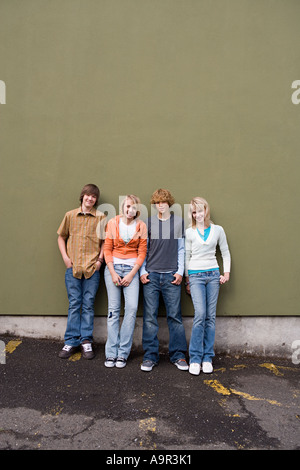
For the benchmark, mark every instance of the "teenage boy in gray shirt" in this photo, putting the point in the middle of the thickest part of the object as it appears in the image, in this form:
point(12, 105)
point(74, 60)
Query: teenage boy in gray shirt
point(162, 272)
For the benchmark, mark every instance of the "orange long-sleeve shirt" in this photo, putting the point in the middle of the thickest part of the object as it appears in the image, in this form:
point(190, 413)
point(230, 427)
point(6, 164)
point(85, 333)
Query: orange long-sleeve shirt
point(114, 245)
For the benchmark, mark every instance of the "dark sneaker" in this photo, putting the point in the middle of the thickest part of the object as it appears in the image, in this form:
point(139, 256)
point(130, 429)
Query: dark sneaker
point(181, 364)
point(121, 362)
point(148, 365)
point(67, 351)
point(87, 350)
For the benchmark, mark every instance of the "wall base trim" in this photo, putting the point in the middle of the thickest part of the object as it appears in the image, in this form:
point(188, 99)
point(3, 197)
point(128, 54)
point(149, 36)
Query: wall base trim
point(264, 336)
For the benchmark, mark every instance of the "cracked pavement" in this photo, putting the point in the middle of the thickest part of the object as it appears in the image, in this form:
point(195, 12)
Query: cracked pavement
point(249, 403)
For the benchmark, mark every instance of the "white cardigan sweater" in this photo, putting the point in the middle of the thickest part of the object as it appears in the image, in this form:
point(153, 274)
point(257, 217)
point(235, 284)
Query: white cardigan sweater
point(200, 254)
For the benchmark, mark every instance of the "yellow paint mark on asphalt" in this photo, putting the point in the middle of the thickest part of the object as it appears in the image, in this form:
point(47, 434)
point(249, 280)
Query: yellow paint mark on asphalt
point(287, 368)
point(12, 345)
point(221, 369)
point(251, 398)
point(271, 367)
point(148, 395)
point(56, 410)
point(239, 446)
point(245, 395)
point(219, 388)
point(75, 357)
point(148, 426)
point(238, 366)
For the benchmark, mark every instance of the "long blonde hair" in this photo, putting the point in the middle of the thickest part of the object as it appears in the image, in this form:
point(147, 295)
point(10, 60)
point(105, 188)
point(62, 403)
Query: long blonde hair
point(136, 201)
point(199, 203)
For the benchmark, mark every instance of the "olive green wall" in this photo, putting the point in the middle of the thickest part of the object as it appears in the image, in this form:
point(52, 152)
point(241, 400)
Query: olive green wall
point(132, 95)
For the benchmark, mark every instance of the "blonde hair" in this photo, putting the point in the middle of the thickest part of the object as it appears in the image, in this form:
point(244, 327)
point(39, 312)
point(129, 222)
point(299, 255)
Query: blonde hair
point(135, 201)
point(199, 203)
point(162, 195)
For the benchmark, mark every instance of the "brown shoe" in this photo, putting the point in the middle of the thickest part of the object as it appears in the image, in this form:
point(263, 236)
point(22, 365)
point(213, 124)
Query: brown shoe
point(67, 351)
point(87, 350)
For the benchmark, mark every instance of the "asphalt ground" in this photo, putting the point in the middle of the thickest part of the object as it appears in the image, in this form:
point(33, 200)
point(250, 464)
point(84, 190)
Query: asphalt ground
point(48, 403)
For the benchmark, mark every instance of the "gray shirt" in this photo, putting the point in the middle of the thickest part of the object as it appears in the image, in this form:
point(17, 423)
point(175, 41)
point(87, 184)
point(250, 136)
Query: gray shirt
point(165, 242)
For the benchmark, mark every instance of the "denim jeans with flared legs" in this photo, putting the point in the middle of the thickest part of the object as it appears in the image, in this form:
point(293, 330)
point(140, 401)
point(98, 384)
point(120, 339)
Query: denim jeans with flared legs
point(204, 292)
point(119, 340)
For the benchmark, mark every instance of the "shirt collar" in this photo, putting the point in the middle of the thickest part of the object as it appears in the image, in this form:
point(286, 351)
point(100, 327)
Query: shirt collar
point(92, 212)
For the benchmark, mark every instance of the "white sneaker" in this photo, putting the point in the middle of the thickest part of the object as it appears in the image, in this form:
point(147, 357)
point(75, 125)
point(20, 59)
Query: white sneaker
point(207, 367)
point(121, 362)
point(110, 362)
point(194, 368)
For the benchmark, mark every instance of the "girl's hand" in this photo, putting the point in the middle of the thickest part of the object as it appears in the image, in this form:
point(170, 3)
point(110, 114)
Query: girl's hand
point(116, 278)
point(126, 280)
point(224, 278)
point(177, 280)
point(144, 278)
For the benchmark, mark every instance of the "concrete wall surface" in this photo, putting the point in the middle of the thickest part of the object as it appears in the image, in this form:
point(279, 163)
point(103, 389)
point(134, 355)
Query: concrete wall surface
point(264, 336)
point(199, 97)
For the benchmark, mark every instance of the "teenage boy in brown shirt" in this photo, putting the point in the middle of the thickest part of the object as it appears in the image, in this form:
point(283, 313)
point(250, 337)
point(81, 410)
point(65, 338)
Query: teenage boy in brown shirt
point(82, 252)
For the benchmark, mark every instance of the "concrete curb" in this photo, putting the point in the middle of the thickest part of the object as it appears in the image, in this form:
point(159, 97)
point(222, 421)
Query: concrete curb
point(264, 336)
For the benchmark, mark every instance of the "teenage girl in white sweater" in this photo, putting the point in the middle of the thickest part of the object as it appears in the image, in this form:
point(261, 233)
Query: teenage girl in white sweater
point(203, 281)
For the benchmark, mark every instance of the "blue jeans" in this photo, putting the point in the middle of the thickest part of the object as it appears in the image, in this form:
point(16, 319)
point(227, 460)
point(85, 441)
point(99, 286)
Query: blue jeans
point(204, 292)
point(81, 295)
point(161, 283)
point(119, 340)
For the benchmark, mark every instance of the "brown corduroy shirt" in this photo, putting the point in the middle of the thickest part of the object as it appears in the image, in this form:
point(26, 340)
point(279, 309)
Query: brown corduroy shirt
point(82, 232)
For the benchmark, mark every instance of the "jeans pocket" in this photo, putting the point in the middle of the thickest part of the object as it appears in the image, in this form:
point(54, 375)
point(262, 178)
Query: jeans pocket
point(216, 273)
point(195, 276)
point(96, 273)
